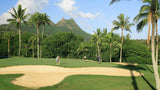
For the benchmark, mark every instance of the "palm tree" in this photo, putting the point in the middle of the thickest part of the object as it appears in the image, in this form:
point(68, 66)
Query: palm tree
point(145, 15)
point(82, 48)
point(37, 17)
point(18, 17)
point(157, 12)
point(32, 39)
point(26, 48)
point(97, 37)
point(122, 23)
point(155, 68)
point(44, 20)
point(7, 35)
point(109, 36)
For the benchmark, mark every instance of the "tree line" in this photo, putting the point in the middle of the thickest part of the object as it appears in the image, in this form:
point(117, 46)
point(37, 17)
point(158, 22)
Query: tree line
point(69, 45)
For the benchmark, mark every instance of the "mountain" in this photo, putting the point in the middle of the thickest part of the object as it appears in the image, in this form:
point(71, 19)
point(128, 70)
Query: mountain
point(63, 25)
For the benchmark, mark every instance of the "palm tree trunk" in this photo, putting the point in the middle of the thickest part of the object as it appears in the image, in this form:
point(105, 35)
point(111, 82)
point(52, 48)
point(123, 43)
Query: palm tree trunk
point(8, 48)
point(33, 49)
point(153, 52)
point(156, 45)
point(121, 47)
point(41, 42)
point(26, 50)
point(19, 54)
point(149, 29)
point(98, 52)
point(110, 53)
point(37, 40)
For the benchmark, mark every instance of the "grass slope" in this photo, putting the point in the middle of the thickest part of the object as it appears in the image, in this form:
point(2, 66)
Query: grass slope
point(83, 82)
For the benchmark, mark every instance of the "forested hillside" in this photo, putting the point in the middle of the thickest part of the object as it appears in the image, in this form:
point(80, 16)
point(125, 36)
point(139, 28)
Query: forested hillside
point(62, 26)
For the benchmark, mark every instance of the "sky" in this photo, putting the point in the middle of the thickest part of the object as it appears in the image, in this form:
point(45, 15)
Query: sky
point(88, 14)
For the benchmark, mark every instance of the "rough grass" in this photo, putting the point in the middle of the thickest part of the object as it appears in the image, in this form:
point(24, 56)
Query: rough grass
point(83, 82)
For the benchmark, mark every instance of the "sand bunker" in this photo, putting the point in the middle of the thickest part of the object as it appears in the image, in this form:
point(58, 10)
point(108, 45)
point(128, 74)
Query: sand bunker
point(36, 76)
point(127, 64)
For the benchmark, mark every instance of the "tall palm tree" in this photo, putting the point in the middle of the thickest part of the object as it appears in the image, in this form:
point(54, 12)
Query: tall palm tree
point(45, 20)
point(37, 17)
point(97, 37)
point(7, 35)
point(144, 18)
point(155, 68)
point(157, 12)
point(123, 23)
point(18, 17)
point(109, 36)
point(32, 39)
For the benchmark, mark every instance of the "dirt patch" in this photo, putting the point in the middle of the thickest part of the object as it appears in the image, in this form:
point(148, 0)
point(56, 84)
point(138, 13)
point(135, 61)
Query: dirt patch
point(36, 76)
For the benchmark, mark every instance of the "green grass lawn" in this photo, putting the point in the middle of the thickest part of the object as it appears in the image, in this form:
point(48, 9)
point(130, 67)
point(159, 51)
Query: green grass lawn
point(83, 82)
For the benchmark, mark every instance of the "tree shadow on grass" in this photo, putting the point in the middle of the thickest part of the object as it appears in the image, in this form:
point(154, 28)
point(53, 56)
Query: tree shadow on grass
point(137, 68)
point(134, 83)
point(149, 69)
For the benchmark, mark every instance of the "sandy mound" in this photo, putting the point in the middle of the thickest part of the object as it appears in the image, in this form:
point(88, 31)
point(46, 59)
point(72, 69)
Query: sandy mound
point(36, 76)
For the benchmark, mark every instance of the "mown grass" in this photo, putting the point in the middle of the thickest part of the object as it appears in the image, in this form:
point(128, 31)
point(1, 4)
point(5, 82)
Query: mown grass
point(52, 62)
point(83, 82)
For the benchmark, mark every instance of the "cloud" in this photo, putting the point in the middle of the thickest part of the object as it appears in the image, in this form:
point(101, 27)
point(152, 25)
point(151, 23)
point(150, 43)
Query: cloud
point(87, 15)
point(31, 5)
point(68, 6)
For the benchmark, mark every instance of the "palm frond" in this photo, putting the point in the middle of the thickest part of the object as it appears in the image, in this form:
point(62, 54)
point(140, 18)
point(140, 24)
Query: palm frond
point(15, 12)
point(140, 17)
point(147, 1)
point(116, 23)
point(113, 1)
point(105, 31)
point(127, 28)
point(158, 14)
point(25, 17)
point(11, 20)
point(22, 13)
point(98, 31)
point(115, 28)
point(141, 24)
point(145, 8)
point(136, 18)
point(125, 21)
point(19, 10)
point(14, 16)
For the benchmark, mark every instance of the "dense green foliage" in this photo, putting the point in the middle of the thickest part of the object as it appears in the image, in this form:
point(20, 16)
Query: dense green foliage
point(69, 45)
point(83, 82)
point(62, 44)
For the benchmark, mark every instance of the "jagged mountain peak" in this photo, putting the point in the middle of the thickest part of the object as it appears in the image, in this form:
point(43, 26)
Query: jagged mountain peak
point(64, 25)
point(52, 23)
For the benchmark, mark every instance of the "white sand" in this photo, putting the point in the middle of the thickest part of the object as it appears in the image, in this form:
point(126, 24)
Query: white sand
point(36, 76)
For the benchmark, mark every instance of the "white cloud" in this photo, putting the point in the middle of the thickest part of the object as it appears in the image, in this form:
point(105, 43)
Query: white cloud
point(31, 5)
point(68, 6)
point(87, 15)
